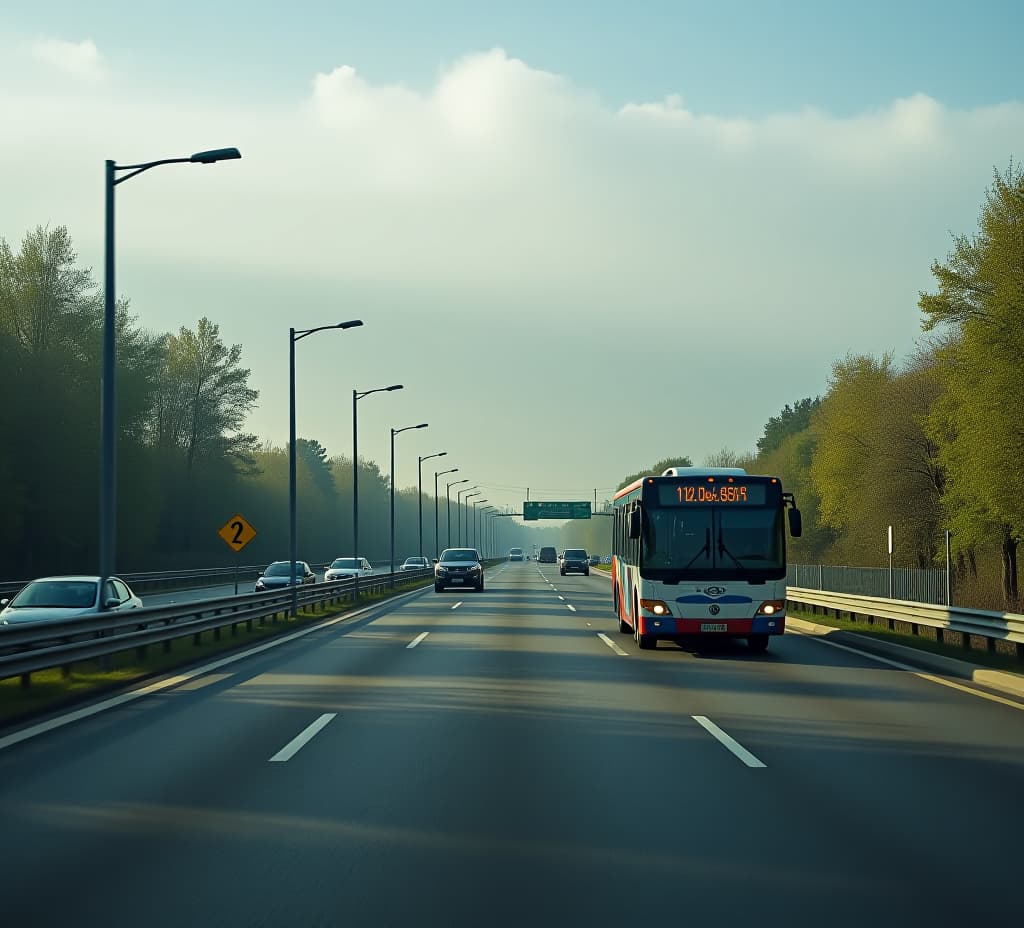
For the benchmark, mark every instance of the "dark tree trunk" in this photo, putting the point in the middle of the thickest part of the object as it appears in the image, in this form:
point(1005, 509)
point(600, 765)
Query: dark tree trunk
point(1009, 558)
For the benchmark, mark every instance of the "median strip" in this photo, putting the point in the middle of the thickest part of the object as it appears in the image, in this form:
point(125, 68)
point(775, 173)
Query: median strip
point(300, 740)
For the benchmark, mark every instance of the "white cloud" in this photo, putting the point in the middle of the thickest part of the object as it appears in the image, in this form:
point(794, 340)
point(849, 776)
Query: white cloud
point(80, 60)
point(723, 259)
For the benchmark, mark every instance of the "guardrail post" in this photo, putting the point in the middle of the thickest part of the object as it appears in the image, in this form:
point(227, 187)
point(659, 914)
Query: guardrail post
point(26, 679)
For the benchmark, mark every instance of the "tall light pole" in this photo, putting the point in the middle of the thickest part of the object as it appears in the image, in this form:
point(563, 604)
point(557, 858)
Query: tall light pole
point(468, 495)
point(448, 496)
point(395, 432)
point(439, 473)
point(458, 507)
point(295, 335)
point(485, 531)
point(108, 408)
point(356, 397)
point(476, 502)
point(419, 498)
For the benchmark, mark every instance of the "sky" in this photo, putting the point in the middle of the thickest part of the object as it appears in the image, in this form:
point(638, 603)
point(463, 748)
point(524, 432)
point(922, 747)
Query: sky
point(584, 237)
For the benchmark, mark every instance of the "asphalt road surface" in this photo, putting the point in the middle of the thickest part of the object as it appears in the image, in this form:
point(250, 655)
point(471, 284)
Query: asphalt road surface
point(488, 759)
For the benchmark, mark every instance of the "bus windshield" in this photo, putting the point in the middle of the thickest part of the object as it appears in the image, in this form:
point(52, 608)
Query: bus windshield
point(712, 543)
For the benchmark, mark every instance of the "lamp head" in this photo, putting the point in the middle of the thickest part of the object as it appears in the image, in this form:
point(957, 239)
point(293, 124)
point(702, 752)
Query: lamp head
point(215, 154)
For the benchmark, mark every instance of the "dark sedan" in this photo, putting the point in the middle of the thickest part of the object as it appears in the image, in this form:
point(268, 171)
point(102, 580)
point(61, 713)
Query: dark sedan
point(278, 576)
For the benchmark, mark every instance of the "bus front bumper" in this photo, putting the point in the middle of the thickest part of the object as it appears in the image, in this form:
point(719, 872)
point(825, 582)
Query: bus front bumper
point(759, 625)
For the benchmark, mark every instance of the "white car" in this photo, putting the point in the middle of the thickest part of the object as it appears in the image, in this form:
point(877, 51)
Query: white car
point(50, 599)
point(344, 568)
point(415, 563)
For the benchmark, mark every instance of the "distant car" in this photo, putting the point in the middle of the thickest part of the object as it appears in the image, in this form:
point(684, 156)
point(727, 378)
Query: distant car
point(595, 559)
point(516, 554)
point(575, 559)
point(459, 567)
point(53, 598)
point(547, 556)
point(607, 559)
point(415, 563)
point(344, 568)
point(278, 576)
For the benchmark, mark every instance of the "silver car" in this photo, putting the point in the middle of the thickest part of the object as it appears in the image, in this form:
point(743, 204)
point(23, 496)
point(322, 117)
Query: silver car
point(344, 568)
point(50, 599)
point(459, 567)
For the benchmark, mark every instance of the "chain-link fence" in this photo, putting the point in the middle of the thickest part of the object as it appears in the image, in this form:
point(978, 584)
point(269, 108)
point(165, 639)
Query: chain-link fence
point(911, 584)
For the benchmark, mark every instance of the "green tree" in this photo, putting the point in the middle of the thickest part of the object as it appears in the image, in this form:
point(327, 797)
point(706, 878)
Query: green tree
point(979, 303)
point(658, 468)
point(791, 421)
point(874, 462)
point(204, 398)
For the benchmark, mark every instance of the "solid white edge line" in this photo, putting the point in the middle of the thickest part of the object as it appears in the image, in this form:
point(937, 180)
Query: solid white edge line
point(731, 743)
point(909, 669)
point(611, 644)
point(304, 737)
point(41, 728)
point(416, 640)
point(456, 606)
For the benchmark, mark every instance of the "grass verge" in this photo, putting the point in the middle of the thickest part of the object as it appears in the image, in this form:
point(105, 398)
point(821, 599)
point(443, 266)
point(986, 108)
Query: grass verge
point(1003, 657)
point(50, 689)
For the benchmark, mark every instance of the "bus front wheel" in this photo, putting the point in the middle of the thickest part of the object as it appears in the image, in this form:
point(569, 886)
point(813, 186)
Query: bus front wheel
point(757, 643)
point(646, 642)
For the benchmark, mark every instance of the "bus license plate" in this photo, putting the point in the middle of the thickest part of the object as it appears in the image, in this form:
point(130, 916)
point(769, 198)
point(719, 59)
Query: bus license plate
point(714, 627)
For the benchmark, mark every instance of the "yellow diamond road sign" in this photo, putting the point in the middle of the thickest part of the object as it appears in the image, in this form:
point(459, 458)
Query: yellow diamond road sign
point(237, 533)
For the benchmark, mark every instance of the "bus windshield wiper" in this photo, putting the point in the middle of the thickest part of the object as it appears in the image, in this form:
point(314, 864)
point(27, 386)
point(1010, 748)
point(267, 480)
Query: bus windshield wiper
point(722, 549)
point(706, 550)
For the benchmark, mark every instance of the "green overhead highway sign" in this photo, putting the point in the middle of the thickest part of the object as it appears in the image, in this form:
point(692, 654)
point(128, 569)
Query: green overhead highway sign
point(550, 510)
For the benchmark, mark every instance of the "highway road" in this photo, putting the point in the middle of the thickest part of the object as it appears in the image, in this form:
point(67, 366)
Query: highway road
point(489, 759)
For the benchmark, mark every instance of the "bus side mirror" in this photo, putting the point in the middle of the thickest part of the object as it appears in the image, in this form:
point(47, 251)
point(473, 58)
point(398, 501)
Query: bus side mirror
point(634, 524)
point(796, 525)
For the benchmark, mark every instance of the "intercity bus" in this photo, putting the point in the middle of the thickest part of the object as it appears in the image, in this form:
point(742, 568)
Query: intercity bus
point(702, 552)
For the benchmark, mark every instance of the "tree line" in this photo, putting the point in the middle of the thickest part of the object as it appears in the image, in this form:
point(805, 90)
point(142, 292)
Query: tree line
point(934, 443)
point(185, 464)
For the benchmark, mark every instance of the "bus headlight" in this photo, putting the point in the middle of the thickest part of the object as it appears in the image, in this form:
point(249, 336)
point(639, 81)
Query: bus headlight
point(772, 607)
point(654, 605)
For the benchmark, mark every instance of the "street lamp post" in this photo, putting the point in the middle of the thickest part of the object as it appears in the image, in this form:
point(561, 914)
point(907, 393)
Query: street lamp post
point(108, 408)
point(448, 495)
point(356, 397)
point(395, 432)
point(439, 473)
point(419, 498)
point(295, 335)
point(485, 528)
point(468, 495)
point(476, 502)
point(458, 508)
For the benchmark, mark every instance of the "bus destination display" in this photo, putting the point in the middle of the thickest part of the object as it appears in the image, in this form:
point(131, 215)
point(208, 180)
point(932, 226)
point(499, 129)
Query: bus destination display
point(711, 494)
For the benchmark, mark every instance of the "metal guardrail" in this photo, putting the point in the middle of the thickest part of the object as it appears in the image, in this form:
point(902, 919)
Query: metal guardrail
point(34, 646)
point(900, 614)
point(919, 585)
point(144, 581)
